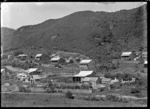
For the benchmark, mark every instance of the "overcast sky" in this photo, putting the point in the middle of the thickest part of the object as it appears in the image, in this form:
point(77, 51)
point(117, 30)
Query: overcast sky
point(15, 15)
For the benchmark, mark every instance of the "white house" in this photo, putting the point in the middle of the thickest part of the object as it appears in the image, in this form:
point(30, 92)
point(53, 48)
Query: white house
point(105, 80)
point(114, 81)
point(93, 80)
point(85, 64)
point(55, 59)
point(82, 74)
point(3, 70)
point(22, 76)
point(145, 63)
point(126, 56)
point(32, 70)
point(38, 56)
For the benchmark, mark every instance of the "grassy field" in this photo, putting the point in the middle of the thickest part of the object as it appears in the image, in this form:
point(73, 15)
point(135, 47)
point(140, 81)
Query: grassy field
point(51, 100)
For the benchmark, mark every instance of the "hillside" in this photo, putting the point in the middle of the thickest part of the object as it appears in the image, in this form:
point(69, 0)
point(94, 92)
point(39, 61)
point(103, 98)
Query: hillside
point(99, 35)
point(6, 36)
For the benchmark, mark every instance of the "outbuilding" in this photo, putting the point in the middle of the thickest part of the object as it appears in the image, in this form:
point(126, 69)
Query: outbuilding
point(145, 63)
point(127, 56)
point(85, 64)
point(82, 74)
point(38, 56)
point(33, 71)
point(91, 80)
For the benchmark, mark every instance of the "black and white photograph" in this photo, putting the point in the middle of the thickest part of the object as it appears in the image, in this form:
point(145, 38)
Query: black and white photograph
point(74, 54)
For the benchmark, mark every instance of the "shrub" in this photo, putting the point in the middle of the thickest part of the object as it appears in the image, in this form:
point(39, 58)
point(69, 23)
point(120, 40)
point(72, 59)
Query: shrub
point(16, 53)
point(85, 86)
point(23, 89)
point(134, 90)
point(69, 95)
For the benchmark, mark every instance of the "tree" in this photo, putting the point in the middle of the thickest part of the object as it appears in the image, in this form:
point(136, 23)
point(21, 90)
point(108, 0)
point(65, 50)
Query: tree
point(69, 95)
point(16, 53)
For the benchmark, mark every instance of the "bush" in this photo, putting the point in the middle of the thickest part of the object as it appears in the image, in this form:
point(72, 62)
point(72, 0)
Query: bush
point(69, 95)
point(134, 90)
point(23, 89)
point(16, 53)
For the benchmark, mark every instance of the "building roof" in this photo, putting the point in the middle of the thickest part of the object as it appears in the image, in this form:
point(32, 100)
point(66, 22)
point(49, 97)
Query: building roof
point(145, 62)
point(92, 79)
point(31, 70)
point(21, 74)
point(114, 80)
point(2, 70)
point(20, 55)
point(106, 79)
point(86, 61)
point(83, 73)
point(55, 58)
point(36, 77)
point(126, 53)
point(144, 53)
point(38, 55)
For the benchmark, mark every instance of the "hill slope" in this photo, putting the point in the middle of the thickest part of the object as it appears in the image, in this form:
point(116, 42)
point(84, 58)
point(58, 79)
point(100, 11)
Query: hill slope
point(99, 35)
point(6, 36)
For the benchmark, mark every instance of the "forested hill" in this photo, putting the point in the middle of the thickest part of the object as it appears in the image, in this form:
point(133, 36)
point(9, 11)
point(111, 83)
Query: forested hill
point(6, 36)
point(99, 35)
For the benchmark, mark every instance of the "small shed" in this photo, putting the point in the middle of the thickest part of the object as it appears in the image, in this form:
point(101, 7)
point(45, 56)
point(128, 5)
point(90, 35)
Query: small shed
point(33, 71)
point(82, 74)
point(145, 63)
point(3, 70)
point(114, 81)
point(85, 64)
point(55, 59)
point(93, 80)
point(38, 56)
point(105, 80)
point(127, 56)
point(36, 77)
point(144, 55)
point(21, 56)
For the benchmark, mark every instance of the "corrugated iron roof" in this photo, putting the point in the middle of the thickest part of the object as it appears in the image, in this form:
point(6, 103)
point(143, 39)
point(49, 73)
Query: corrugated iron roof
point(22, 55)
point(38, 55)
point(31, 70)
point(2, 70)
point(36, 77)
point(83, 73)
point(145, 62)
point(106, 79)
point(126, 54)
point(85, 61)
point(55, 58)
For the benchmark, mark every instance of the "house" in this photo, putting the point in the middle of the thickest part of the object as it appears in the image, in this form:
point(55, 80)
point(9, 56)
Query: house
point(114, 81)
point(53, 55)
point(82, 74)
point(21, 76)
point(85, 64)
point(36, 77)
point(93, 80)
point(127, 56)
point(55, 59)
point(38, 56)
point(21, 56)
point(144, 55)
point(3, 70)
point(105, 80)
point(33, 71)
point(145, 63)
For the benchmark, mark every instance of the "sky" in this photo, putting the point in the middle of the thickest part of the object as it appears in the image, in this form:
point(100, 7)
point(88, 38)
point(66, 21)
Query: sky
point(15, 15)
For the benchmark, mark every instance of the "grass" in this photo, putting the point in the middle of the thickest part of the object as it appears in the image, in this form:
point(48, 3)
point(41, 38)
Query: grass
point(32, 100)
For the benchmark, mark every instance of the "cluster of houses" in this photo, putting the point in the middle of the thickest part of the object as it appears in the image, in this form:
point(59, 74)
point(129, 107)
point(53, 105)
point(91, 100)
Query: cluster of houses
point(135, 56)
point(86, 75)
